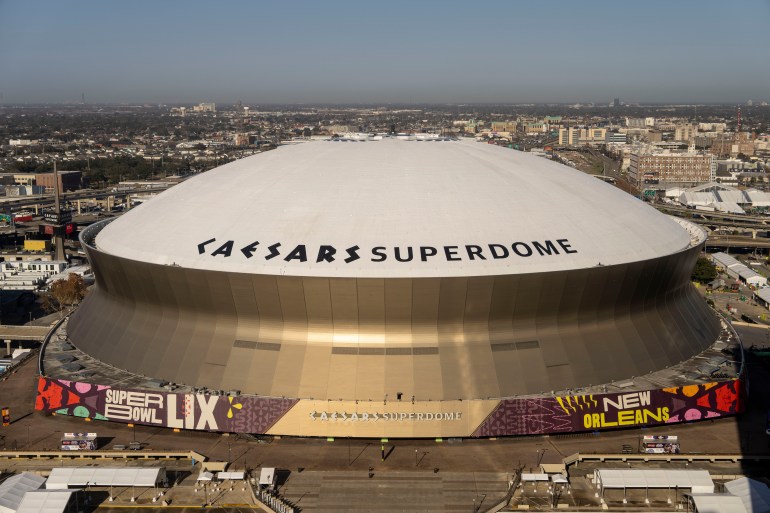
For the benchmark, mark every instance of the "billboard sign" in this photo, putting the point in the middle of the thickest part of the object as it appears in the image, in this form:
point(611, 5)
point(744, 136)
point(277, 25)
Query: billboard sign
point(53, 217)
point(660, 444)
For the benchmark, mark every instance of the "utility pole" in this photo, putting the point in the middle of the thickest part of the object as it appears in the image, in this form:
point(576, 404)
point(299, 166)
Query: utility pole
point(58, 226)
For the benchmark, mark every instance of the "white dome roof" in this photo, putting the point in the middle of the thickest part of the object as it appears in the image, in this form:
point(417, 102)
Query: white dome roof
point(464, 209)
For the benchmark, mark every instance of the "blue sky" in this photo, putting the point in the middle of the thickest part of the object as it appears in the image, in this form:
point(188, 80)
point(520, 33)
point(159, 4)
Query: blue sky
point(384, 51)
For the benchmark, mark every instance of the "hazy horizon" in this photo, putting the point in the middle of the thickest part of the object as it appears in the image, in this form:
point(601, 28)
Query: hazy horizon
point(402, 53)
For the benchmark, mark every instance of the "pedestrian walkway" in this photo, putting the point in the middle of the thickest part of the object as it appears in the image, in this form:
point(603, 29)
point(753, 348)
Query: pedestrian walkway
point(327, 492)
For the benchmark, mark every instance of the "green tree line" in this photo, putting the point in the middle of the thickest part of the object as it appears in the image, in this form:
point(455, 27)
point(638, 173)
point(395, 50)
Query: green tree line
point(104, 172)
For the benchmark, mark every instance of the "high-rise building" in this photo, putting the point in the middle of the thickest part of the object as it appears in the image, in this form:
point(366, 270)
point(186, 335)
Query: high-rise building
point(582, 136)
point(686, 132)
point(205, 107)
point(671, 168)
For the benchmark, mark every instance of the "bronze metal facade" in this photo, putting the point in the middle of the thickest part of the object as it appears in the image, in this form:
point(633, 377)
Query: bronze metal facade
point(454, 338)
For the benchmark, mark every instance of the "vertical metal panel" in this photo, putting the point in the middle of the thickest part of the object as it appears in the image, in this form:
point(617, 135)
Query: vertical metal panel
point(344, 299)
point(371, 310)
point(343, 376)
point(320, 322)
point(314, 373)
point(398, 312)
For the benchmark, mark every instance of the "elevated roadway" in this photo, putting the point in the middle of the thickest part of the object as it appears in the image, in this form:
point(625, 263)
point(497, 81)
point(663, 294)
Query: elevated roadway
point(36, 333)
point(735, 241)
point(711, 217)
point(48, 200)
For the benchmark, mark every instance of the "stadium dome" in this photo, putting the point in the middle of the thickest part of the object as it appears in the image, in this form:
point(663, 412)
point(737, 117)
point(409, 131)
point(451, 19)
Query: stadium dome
point(357, 270)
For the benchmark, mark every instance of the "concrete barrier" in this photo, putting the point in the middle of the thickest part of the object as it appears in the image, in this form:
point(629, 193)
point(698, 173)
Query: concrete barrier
point(104, 455)
point(711, 458)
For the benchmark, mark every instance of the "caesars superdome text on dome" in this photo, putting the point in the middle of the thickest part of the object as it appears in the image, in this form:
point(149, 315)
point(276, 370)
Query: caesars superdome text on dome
point(330, 253)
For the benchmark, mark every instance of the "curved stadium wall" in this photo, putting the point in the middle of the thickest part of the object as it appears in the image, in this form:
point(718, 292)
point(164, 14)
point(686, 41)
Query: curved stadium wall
point(437, 339)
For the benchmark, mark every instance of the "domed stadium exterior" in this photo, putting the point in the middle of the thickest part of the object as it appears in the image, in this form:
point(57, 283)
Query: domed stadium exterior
point(392, 287)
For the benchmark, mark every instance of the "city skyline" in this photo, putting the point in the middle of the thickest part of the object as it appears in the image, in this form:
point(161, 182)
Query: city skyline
point(395, 52)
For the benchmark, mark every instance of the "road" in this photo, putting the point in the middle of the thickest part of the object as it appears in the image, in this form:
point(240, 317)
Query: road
point(47, 200)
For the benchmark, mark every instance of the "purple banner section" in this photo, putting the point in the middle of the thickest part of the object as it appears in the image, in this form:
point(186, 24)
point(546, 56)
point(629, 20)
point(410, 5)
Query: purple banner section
point(238, 414)
point(575, 413)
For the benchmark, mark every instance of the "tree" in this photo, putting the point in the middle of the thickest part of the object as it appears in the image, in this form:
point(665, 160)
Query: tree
point(704, 271)
point(65, 293)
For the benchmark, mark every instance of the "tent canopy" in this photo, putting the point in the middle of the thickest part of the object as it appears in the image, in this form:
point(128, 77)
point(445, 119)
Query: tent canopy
point(699, 481)
point(754, 494)
point(717, 503)
point(534, 477)
point(233, 476)
point(13, 489)
point(62, 478)
point(45, 501)
point(267, 476)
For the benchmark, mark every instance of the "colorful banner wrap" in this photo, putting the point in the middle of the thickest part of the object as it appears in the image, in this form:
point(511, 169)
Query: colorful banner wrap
point(565, 414)
point(517, 416)
point(239, 414)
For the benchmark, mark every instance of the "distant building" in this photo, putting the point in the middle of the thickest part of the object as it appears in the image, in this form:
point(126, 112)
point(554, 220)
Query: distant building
point(685, 132)
point(205, 107)
point(712, 127)
point(339, 129)
point(671, 168)
point(503, 126)
point(24, 179)
point(616, 137)
point(552, 120)
point(68, 181)
point(29, 274)
point(582, 136)
point(616, 102)
point(242, 139)
point(24, 190)
point(535, 128)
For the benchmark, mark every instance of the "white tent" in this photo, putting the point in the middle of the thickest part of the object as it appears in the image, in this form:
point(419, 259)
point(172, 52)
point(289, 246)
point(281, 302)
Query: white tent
point(735, 269)
point(697, 481)
point(232, 476)
point(267, 476)
point(525, 478)
point(62, 478)
point(12, 490)
point(559, 479)
point(45, 501)
point(205, 476)
point(754, 494)
point(717, 503)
